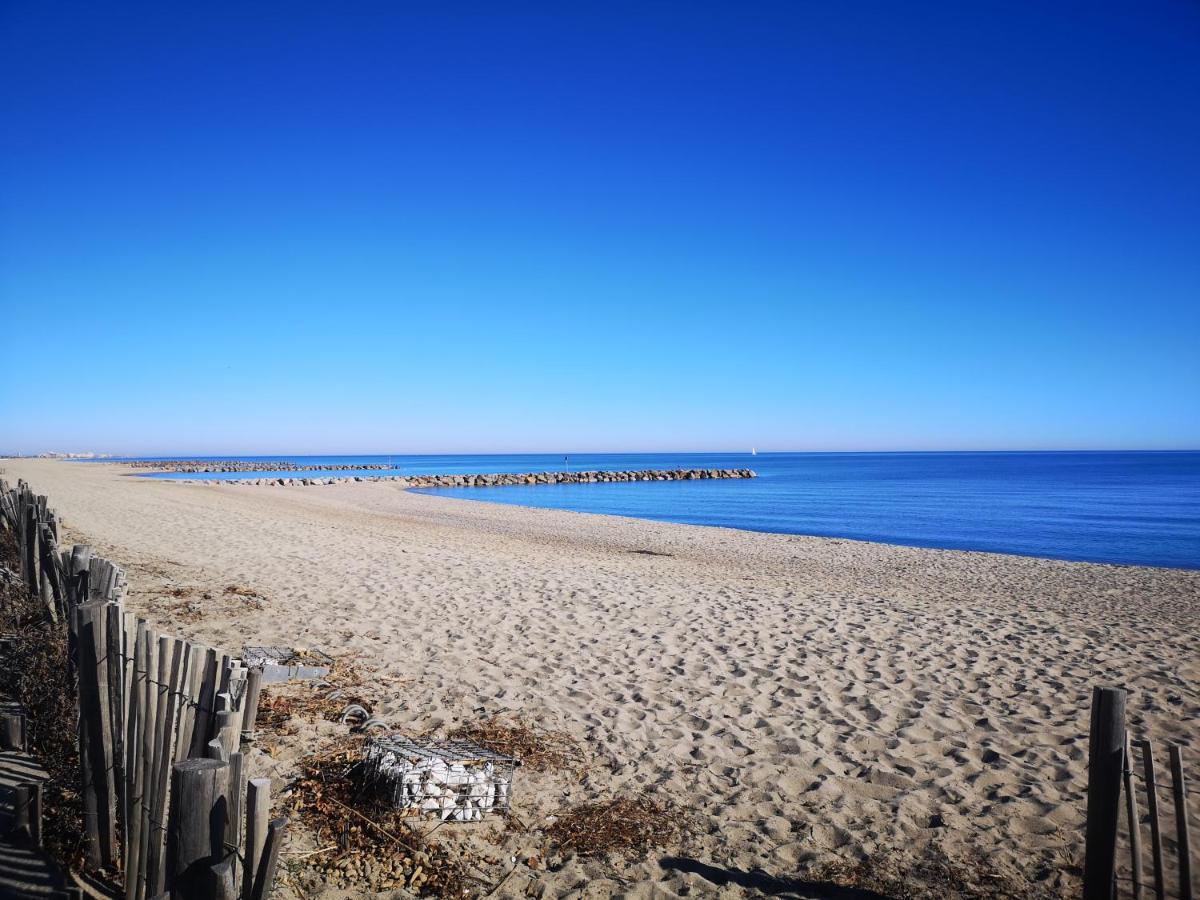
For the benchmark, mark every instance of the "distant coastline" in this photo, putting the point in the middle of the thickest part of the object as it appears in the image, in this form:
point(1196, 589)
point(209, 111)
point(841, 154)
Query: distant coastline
point(1117, 507)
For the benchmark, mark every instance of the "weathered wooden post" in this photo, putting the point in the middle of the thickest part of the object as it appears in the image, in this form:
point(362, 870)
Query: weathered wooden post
point(228, 731)
point(250, 705)
point(95, 738)
point(81, 561)
point(196, 829)
point(233, 826)
point(258, 811)
point(136, 775)
point(164, 753)
point(221, 880)
point(264, 878)
point(1179, 789)
point(1156, 852)
point(205, 704)
point(12, 731)
point(30, 555)
point(114, 656)
point(1106, 752)
point(27, 812)
point(1131, 815)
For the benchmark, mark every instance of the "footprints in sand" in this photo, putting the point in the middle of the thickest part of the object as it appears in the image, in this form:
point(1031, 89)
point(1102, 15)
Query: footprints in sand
point(808, 696)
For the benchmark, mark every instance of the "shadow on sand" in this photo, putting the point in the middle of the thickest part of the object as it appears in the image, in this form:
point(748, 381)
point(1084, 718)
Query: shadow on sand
point(770, 885)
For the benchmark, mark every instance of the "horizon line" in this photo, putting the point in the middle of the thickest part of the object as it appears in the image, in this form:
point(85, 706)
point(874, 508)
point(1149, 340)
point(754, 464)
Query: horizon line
point(56, 454)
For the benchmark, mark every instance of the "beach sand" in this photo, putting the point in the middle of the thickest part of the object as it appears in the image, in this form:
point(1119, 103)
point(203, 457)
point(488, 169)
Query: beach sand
point(808, 699)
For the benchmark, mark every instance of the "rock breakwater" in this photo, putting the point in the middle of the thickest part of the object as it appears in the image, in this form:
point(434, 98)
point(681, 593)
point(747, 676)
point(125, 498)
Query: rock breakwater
point(202, 466)
point(502, 479)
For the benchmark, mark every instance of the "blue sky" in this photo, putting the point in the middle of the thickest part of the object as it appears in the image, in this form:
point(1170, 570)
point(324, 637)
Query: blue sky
point(452, 227)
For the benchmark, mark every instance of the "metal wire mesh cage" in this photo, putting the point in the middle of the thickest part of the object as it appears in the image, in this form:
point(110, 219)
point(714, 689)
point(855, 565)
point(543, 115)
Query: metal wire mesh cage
point(456, 780)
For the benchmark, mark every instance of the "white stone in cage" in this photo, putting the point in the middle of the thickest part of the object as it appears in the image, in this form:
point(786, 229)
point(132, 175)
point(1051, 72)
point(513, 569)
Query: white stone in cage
point(455, 780)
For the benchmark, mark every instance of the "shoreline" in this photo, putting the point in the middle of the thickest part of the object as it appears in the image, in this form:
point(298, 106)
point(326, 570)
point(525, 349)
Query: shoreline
point(506, 479)
point(804, 697)
point(836, 538)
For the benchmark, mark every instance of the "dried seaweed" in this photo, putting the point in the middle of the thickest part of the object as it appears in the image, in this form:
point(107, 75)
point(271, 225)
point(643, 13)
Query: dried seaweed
point(307, 700)
point(535, 749)
point(627, 825)
point(361, 844)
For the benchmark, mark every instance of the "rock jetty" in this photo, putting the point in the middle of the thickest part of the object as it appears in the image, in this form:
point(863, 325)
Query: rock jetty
point(202, 466)
point(502, 479)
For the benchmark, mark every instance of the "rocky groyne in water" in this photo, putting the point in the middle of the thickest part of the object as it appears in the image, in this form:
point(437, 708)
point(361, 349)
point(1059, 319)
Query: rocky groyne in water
point(202, 466)
point(502, 479)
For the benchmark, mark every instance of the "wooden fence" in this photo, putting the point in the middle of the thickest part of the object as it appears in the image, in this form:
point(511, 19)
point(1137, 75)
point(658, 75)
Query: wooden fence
point(161, 721)
point(1113, 771)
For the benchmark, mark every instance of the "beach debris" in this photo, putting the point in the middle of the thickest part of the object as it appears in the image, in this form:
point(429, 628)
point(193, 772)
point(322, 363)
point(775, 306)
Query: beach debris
point(535, 749)
point(286, 663)
point(362, 845)
point(455, 780)
point(355, 711)
point(324, 699)
point(622, 825)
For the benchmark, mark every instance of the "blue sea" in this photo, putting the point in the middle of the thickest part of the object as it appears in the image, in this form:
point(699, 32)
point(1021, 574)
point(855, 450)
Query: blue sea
point(1137, 508)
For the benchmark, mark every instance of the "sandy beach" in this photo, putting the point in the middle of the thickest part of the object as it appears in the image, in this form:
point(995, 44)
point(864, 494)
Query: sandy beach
point(807, 698)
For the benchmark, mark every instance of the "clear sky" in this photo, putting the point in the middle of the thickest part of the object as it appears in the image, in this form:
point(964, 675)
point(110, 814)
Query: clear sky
point(388, 227)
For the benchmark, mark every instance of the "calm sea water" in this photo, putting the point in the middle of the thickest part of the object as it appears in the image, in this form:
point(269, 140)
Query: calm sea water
point(1133, 508)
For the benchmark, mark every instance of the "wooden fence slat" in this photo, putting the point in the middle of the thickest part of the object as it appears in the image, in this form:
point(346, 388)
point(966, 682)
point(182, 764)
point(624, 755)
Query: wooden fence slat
point(1156, 852)
point(1131, 815)
point(136, 773)
point(164, 756)
point(150, 830)
point(30, 548)
point(182, 702)
point(1106, 751)
point(250, 705)
point(233, 827)
point(222, 878)
point(13, 735)
point(190, 713)
point(1179, 789)
point(128, 638)
point(27, 811)
point(114, 627)
point(258, 812)
point(264, 878)
point(95, 743)
point(81, 559)
point(204, 714)
point(229, 731)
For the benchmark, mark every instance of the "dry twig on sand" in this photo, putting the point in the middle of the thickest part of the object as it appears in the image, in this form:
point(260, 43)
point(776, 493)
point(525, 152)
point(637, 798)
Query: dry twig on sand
point(624, 825)
point(311, 700)
point(365, 845)
point(535, 749)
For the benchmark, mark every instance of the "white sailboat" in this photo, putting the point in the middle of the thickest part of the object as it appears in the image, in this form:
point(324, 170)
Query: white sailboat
point(754, 451)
